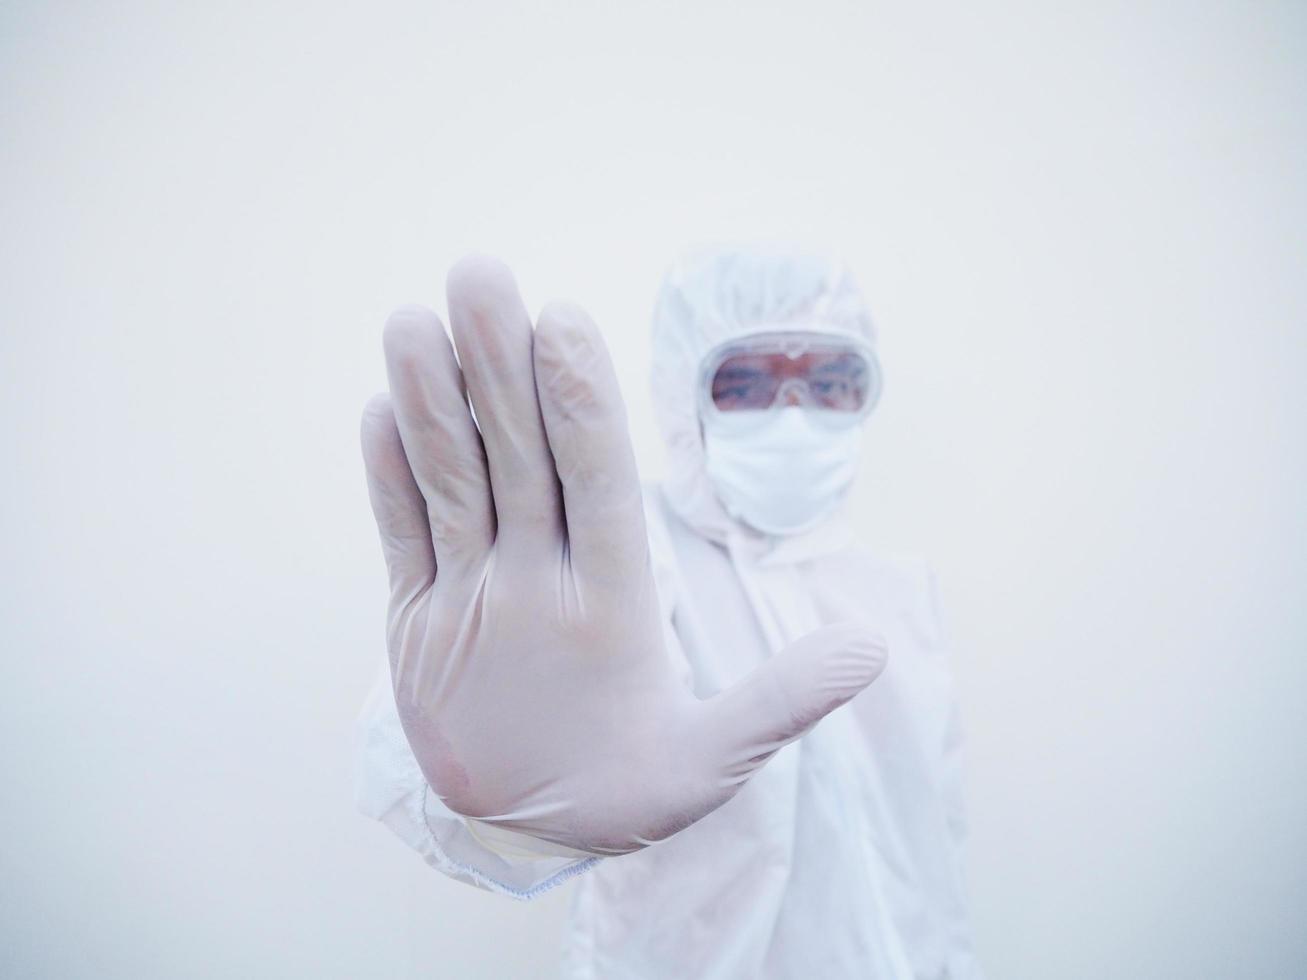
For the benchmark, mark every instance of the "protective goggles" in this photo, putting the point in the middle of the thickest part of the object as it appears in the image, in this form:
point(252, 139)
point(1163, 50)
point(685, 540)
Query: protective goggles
point(834, 372)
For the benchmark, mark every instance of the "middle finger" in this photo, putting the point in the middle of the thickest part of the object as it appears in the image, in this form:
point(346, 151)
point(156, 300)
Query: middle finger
point(493, 335)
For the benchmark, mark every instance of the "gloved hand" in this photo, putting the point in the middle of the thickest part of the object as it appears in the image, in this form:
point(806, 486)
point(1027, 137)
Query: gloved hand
point(524, 631)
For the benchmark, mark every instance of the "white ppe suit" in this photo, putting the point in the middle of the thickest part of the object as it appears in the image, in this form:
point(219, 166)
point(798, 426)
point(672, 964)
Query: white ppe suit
point(841, 857)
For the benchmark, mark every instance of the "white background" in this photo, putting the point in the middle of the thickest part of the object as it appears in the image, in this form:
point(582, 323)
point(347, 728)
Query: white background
point(1082, 228)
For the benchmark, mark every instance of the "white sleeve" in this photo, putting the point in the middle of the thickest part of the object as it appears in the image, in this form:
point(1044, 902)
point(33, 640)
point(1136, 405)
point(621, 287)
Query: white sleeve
point(962, 963)
point(390, 786)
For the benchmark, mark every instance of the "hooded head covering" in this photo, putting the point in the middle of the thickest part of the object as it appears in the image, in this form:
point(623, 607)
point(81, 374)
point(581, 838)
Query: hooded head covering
point(715, 295)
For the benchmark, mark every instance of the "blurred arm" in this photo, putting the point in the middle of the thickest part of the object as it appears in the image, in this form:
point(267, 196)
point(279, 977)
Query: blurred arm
point(962, 964)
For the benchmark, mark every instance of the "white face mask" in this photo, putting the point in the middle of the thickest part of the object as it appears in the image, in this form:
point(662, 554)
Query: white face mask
point(781, 471)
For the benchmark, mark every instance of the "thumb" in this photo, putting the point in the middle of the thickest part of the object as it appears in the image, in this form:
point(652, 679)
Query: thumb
point(787, 695)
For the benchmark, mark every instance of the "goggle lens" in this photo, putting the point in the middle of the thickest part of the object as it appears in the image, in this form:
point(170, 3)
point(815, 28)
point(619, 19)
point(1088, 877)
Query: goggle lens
point(835, 380)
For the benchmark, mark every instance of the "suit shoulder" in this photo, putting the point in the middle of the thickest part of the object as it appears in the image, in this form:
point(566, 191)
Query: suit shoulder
point(910, 574)
point(903, 584)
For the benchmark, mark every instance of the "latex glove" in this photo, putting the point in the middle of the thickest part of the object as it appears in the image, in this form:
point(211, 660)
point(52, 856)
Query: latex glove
point(525, 639)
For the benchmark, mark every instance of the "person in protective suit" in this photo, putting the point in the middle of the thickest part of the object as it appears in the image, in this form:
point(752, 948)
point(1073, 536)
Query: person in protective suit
point(594, 680)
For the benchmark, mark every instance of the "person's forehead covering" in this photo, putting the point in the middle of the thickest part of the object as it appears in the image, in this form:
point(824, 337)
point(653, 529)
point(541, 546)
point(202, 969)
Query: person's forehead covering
point(712, 295)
